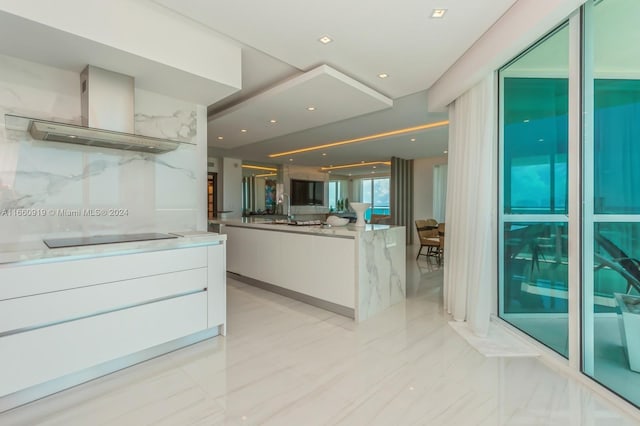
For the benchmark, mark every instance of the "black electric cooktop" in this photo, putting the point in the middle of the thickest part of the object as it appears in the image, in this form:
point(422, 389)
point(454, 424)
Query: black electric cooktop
point(104, 239)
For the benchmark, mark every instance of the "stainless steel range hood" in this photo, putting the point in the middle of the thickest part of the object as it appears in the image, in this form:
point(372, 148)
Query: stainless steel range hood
point(107, 117)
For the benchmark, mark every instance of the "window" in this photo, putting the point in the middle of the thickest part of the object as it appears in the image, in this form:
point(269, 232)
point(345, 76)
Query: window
point(376, 192)
point(611, 214)
point(534, 225)
point(334, 194)
point(556, 192)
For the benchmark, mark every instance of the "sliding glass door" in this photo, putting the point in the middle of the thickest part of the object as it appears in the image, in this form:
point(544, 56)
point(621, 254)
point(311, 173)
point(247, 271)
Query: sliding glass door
point(569, 233)
point(611, 179)
point(533, 219)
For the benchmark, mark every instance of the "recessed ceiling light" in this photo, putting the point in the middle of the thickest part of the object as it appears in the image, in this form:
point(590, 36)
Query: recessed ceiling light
point(383, 75)
point(329, 172)
point(412, 139)
point(362, 161)
point(374, 167)
point(525, 121)
point(540, 140)
point(325, 39)
point(290, 159)
point(438, 13)
point(372, 172)
point(349, 174)
point(243, 130)
point(220, 138)
point(324, 154)
point(445, 152)
point(273, 121)
point(311, 108)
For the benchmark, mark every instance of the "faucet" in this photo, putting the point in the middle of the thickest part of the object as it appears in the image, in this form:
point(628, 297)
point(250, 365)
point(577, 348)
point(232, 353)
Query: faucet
point(281, 200)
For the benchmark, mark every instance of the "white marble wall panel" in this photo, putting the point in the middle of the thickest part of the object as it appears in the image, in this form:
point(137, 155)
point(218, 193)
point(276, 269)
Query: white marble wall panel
point(57, 182)
point(382, 271)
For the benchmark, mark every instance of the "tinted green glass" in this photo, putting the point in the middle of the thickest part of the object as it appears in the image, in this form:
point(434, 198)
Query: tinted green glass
point(616, 328)
point(611, 305)
point(536, 281)
point(616, 144)
point(534, 146)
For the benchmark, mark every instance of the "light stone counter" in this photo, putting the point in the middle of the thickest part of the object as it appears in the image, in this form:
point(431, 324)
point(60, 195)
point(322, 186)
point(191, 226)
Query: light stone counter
point(26, 253)
point(354, 271)
point(348, 231)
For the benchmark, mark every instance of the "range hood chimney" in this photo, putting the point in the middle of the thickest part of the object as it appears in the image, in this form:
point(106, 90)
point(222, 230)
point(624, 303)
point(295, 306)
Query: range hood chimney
point(107, 100)
point(107, 104)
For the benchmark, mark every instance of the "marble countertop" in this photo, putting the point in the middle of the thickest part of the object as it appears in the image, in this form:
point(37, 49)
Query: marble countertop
point(347, 231)
point(25, 253)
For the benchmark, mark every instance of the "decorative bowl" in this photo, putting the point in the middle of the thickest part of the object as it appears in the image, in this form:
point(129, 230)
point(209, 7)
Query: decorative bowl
point(337, 221)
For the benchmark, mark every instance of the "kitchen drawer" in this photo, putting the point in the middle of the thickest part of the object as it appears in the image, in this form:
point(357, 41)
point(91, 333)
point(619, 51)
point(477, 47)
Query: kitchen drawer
point(19, 281)
point(43, 309)
point(37, 356)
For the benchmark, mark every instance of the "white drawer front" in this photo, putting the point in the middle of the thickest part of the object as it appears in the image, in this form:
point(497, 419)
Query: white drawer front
point(18, 281)
point(43, 309)
point(41, 355)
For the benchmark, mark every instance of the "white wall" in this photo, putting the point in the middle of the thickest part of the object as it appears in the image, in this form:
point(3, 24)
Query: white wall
point(155, 192)
point(423, 186)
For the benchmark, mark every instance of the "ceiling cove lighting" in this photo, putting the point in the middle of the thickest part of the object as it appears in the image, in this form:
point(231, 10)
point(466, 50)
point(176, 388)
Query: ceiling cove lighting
point(364, 138)
point(438, 13)
point(349, 166)
point(266, 175)
point(325, 39)
point(252, 167)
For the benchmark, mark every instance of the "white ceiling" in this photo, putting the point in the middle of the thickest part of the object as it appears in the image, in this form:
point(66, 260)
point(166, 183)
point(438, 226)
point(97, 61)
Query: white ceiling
point(280, 42)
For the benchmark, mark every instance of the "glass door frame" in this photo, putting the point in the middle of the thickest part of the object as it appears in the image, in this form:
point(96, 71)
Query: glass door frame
point(574, 194)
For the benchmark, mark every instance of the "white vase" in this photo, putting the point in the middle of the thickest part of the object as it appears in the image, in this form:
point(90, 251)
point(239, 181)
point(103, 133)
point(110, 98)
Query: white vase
point(360, 208)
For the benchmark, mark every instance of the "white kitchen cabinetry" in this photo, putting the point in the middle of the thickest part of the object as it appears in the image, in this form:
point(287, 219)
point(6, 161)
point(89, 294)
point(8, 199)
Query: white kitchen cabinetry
point(321, 267)
point(354, 271)
point(60, 319)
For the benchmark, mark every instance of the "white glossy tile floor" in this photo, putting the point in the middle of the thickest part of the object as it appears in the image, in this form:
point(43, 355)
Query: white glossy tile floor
point(287, 363)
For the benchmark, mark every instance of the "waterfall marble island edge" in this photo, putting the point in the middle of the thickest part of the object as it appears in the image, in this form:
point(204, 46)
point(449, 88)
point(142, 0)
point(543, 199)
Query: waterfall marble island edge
point(354, 271)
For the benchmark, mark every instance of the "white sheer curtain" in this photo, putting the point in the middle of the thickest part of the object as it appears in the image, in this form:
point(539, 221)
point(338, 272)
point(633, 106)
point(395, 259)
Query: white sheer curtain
point(439, 192)
point(470, 258)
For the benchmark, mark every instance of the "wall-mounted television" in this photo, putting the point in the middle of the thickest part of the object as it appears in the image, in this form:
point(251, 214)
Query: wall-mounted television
point(307, 192)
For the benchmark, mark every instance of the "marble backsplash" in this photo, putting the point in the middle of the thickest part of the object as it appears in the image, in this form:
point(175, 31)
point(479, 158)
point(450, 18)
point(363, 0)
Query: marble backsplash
point(56, 189)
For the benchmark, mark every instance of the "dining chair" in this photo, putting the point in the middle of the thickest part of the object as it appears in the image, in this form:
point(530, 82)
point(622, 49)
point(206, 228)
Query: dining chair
point(428, 236)
point(441, 228)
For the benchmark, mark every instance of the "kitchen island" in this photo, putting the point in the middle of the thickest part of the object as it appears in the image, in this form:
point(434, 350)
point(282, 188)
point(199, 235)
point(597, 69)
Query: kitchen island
point(353, 271)
point(71, 314)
